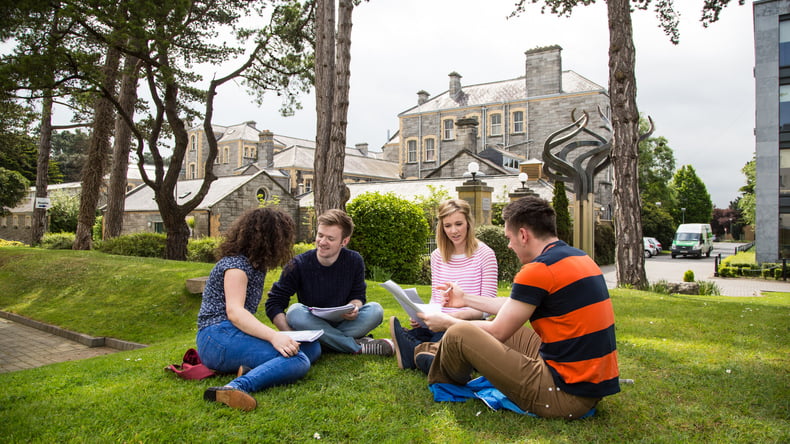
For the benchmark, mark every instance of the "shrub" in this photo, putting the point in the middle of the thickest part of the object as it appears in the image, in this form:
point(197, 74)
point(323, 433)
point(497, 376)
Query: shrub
point(58, 241)
point(506, 258)
point(203, 249)
point(96, 230)
point(496, 213)
point(688, 276)
point(137, 244)
point(661, 287)
point(302, 247)
point(10, 243)
point(389, 232)
point(425, 271)
point(64, 211)
point(707, 288)
point(604, 244)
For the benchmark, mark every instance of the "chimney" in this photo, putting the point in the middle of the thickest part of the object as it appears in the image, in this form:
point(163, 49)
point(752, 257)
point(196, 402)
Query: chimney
point(467, 132)
point(544, 71)
point(363, 148)
point(266, 145)
point(422, 97)
point(250, 123)
point(455, 84)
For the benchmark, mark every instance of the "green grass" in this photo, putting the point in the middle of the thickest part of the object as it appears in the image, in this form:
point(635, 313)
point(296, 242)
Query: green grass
point(706, 369)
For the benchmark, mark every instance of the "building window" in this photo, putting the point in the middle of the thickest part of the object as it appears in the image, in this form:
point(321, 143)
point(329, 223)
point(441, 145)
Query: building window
point(518, 121)
point(784, 43)
point(226, 155)
point(193, 146)
point(430, 150)
point(192, 171)
point(447, 129)
point(159, 227)
point(496, 124)
point(411, 151)
point(308, 185)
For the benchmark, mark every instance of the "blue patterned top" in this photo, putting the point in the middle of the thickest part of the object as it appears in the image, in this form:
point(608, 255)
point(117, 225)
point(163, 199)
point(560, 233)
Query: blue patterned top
point(212, 309)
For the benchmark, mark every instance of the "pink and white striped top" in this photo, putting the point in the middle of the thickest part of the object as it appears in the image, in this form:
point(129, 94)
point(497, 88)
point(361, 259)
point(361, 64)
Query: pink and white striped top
point(476, 275)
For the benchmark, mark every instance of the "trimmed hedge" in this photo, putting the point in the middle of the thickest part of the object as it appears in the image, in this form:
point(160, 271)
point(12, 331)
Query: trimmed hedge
point(137, 244)
point(389, 232)
point(508, 262)
point(58, 241)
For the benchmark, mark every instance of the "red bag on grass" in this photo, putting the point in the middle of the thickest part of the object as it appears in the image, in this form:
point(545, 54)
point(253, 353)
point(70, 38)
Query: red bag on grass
point(192, 367)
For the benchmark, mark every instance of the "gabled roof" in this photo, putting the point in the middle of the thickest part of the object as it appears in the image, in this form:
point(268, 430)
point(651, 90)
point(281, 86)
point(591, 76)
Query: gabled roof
point(498, 92)
point(409, 189)
point(302, 157)
point(466, 153)
point(142, 197)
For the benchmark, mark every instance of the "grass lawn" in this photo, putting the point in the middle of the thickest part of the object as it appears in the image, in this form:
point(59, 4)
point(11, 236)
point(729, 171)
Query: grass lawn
point(706, 369)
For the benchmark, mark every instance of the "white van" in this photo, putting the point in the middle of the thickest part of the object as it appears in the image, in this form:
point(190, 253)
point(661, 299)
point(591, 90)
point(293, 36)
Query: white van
point(692, 239)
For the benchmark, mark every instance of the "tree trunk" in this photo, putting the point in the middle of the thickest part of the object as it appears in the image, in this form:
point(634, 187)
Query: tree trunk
point(98, 152)
point(116, 194)
point(324, 99)
point(629, 258)
point(338, 193)
point(42, 168)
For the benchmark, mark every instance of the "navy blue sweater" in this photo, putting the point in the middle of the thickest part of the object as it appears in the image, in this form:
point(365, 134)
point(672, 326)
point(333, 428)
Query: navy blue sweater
point(316, 285)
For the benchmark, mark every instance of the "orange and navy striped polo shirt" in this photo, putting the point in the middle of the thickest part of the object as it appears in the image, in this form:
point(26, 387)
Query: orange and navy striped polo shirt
point(573, 317)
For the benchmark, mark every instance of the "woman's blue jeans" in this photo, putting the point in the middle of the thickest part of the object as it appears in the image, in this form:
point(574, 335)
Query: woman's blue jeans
point(224, 348)
point(338, 336)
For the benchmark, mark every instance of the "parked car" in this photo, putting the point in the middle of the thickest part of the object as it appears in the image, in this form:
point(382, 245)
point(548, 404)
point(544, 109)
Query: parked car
point(649, 248)
point(657, 244)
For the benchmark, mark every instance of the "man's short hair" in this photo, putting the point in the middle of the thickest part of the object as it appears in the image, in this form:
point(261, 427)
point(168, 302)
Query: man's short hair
point(533, 213)
point(339, 218)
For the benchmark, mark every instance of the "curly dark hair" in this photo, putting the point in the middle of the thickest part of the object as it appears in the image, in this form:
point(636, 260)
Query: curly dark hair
point(264, 235)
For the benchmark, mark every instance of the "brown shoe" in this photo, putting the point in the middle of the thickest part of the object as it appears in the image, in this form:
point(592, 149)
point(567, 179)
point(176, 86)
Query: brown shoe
point(238, 399)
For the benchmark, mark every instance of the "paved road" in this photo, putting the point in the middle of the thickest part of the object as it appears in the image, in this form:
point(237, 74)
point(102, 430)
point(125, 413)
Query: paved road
point(663, 267)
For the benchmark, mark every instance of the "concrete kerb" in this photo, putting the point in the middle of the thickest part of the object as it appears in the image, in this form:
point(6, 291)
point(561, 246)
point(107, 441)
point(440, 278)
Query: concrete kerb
point(87, 340)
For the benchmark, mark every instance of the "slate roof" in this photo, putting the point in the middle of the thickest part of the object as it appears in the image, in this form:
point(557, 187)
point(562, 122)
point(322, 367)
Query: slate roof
point(408, 189)
point(498, 92)
point(301, 157)
point(142, 197)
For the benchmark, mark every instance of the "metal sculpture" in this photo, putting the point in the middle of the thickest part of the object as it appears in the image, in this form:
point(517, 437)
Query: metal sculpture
point(578, 163)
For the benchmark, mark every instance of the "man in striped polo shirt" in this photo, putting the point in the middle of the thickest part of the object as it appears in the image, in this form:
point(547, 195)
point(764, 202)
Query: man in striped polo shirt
point(565, 361)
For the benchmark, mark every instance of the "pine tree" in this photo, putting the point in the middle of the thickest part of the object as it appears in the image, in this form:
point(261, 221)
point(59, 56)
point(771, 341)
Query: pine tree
point(560, 204)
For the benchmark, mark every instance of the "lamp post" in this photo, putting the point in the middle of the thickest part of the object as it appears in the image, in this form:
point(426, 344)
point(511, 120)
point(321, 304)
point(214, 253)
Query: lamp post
point(731, 233)
point(473, 169)
point(684, 215)
point(523, 177)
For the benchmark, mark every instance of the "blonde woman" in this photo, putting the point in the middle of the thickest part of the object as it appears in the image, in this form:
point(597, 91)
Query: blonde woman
point(459, 258)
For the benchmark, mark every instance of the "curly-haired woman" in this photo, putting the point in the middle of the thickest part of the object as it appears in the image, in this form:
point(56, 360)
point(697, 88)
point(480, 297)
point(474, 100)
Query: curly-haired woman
point(230, 338)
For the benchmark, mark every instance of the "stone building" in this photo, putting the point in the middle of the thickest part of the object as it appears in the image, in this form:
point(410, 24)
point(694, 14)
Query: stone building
point(504, 122)
point(243, 149)
point(227, 198)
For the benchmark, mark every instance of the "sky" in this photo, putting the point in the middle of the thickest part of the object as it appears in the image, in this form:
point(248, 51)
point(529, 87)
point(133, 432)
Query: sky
point(700, 93)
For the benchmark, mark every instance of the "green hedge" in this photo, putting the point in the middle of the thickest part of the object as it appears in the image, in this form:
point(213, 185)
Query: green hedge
point(390, 233)
point(137, 244)
point(58, 241)
point(604, 244)
point(508, 262)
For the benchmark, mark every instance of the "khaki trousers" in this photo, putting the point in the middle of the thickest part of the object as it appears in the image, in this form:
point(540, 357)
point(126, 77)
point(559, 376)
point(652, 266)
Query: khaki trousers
point(514, 367)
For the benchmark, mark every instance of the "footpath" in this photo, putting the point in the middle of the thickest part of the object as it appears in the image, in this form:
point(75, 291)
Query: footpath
point(25, 344)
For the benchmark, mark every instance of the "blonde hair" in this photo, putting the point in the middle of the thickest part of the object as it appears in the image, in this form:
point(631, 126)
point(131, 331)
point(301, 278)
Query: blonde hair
point(443, 243)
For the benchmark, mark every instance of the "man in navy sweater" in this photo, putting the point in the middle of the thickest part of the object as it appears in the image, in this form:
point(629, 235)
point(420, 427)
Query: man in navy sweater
point(329, 276)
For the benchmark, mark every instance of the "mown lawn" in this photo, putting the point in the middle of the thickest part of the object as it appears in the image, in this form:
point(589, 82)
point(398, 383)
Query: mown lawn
point(706, 369)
